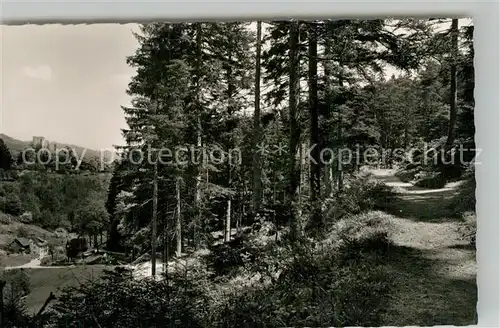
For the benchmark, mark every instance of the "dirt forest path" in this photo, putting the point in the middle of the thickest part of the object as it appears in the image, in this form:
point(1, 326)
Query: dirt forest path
point(435, 270)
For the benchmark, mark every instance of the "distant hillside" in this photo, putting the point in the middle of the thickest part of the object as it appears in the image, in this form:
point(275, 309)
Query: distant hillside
point(17, 146)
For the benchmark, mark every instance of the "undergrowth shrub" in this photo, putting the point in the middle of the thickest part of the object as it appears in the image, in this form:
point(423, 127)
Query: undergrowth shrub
point(227, 258)
point(46, 261)
point(22, 232)
point(14, 306)
point(363, 194)
point(363, 234)
point(465, 199)
point(117, 300)
point(432, 180)
point(224, 258)
point(340, 280)
point(407, 174)
point(337, 282)
point(11, 204)
point(314, 293)
point(376, 196)
point(431, 165)
point(467, 228)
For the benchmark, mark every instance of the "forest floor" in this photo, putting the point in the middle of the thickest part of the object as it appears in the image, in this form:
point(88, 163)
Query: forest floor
point(435, 270)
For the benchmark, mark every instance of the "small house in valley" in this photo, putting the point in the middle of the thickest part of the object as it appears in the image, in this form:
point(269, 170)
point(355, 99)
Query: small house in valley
point(20, 245)
point(39, 247)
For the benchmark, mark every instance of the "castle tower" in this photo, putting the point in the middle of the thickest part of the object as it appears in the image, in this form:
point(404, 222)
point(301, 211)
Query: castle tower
point(39, 142)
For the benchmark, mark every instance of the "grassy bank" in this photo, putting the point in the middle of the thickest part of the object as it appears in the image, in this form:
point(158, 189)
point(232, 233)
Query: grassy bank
point(10, 260)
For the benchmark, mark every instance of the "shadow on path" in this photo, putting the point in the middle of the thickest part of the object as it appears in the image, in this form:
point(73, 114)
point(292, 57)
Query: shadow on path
point(425, 295)
point(418, 204)
point(435, 271)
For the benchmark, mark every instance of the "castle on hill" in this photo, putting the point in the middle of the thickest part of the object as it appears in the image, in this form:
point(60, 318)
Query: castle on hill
point(41, 142)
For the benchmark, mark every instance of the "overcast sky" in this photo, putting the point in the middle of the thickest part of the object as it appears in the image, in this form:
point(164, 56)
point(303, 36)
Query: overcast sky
point(65, 82)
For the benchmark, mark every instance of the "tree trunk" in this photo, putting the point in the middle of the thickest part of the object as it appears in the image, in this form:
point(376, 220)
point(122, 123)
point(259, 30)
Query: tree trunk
point(315, 164)
point(307, 165)
point(301, 170)
point(178, 224)
point(293, 169)
point(275, 178)
point(227, 225)
point(453, 84)
point(164, 242)
point(329, 179)
point(113, 241)
point(227, 234)
point(238, 219)
point(340, 136)
point(257, 183)
point(326, 180)
point(155, 219)
point(274, 187)
point(408, 115)
point(197, 198)
point(2, 286)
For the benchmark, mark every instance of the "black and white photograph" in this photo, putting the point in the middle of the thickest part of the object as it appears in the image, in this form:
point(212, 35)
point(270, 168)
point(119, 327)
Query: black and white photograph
point(286, 173)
